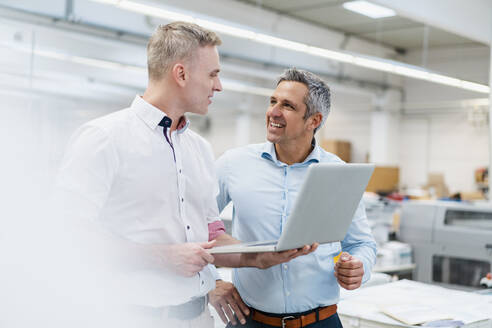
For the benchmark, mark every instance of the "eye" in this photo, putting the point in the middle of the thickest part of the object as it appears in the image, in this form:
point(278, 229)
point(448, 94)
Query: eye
point(273, 101)
point(289, 106)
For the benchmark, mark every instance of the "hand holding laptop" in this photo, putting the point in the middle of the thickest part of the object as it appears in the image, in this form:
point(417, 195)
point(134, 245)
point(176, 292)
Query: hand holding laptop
point(265, 260)
point(322, 211)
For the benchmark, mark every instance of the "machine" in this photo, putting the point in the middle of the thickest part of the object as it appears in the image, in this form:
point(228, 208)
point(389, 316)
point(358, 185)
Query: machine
point(452, 242)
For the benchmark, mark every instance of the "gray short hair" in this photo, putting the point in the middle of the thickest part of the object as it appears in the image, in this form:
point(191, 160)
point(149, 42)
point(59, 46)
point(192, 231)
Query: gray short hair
point(317, 99)
point(175, 41)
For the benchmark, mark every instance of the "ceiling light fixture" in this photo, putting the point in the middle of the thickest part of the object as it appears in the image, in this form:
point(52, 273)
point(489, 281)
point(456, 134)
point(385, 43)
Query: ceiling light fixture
point(379, 64)
point(227, 84)
point(369, 9)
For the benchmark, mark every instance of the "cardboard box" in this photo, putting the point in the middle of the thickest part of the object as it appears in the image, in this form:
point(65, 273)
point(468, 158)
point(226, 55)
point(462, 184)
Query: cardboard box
point(482, 175)
point(471, 195)
point(436, 186)
point(340, 148)
point(384, 179)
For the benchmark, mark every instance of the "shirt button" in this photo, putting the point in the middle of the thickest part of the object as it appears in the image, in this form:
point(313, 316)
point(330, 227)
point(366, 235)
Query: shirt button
point(203, 282)
point(287, 293)
point(285, 266)
point(182, 200)
point(188, 227)
point(179, 170)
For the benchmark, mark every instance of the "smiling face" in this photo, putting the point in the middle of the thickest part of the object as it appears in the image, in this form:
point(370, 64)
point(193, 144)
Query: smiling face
point(203, 73)
point(285, 115)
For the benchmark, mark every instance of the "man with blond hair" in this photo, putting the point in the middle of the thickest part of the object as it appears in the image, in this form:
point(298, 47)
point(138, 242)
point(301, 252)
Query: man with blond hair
point(149, 182)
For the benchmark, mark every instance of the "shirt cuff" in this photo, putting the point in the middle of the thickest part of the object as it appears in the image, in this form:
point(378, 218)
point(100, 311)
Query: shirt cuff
point(215, 229)
point(367, 270)
point(215, 273)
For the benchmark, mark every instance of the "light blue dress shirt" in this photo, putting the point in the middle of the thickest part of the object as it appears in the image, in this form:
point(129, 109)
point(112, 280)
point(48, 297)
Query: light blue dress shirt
point(263, 191)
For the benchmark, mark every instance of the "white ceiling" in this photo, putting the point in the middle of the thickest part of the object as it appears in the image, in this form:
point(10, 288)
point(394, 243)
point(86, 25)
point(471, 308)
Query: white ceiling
point(103, 32)
point(397, 31)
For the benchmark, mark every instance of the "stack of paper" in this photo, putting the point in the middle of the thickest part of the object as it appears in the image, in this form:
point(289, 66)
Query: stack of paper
point(414, 314)
point(407, 303)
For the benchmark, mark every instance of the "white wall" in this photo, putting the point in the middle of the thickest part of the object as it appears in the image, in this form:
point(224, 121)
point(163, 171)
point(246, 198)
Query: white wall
point(352, 126)
point(34, 131)
point(444, 143)
point(444, 140)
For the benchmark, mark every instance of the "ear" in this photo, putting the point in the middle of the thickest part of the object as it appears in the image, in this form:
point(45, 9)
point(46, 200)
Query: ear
point(314, 121)
point(179, 74)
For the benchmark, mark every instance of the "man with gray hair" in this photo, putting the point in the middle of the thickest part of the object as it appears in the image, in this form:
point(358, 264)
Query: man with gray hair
point(148, 182)
point(262, 181)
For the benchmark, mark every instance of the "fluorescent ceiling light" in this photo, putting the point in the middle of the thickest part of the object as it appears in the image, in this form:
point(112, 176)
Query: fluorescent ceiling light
point(369, 9)
point(409, 71)
point(226, 29)
point(244, 88)
point(330, 54)
point(438, 78)
point(374, 64)
point(281, 43)
point(475, 87)
point(153, 11)
point(380, 64)
point(229, 85)
point(101, 63)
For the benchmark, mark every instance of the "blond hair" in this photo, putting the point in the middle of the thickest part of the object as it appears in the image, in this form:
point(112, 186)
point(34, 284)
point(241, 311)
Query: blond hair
point(176, 41)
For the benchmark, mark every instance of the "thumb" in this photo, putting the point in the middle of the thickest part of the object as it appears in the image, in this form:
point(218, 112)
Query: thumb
point(208, 244)
point(344, 257)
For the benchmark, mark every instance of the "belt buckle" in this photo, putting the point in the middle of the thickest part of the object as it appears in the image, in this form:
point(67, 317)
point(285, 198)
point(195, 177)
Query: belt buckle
point(286, 318)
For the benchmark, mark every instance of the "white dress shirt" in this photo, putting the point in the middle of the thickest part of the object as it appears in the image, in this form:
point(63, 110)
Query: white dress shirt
point(120, 172)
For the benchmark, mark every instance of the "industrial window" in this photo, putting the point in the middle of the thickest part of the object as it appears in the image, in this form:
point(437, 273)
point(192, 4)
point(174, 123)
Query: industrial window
point(470, 219)
point(458, 271)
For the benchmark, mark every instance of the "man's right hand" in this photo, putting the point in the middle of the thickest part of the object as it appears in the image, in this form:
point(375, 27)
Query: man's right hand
point(185, 259)
point(228, 303)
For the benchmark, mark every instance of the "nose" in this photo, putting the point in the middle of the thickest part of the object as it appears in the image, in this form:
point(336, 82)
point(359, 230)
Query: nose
point(274, 110)
point(217, 85)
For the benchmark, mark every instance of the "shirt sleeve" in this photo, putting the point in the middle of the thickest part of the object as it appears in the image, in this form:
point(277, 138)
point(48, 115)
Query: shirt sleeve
point(86, 174)
point(215, 273)
point(215, 225)
point(223, 197)
point(215, 229)
point(359, 241)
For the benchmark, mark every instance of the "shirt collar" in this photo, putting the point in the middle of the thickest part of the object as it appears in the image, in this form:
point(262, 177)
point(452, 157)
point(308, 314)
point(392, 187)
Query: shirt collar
point(152, 115)
point(268, 152)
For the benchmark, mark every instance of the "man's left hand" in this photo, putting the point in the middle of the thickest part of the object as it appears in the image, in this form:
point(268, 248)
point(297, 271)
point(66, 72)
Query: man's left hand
point(266, 260)
point(226, 300)
point(349, 271)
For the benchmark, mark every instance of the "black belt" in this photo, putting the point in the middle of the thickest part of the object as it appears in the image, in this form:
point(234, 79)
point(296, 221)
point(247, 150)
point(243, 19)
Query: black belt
point(188, 310)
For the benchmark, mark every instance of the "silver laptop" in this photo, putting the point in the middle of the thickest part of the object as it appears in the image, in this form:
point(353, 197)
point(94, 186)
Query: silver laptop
point(322, 212)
